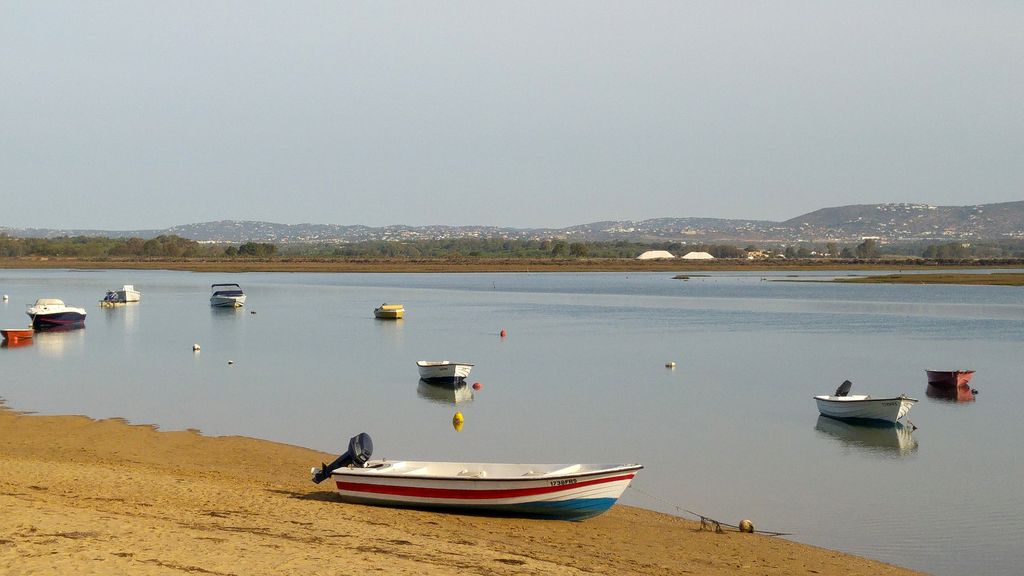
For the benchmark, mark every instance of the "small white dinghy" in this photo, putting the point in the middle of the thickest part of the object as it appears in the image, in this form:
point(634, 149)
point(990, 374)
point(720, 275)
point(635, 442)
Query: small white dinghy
point(443, 370)
point(844, 406)
point(553, 491)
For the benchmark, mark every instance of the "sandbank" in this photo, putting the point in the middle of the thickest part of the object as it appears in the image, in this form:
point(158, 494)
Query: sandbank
point(86, 496)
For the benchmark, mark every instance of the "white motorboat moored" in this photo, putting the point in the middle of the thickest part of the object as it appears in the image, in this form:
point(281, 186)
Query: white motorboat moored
point(126, 294)
point(227, 296)
point(844, 406)
point(51, 313)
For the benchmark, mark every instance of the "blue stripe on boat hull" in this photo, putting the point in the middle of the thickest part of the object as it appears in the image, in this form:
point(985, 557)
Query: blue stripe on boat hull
point(574, 510)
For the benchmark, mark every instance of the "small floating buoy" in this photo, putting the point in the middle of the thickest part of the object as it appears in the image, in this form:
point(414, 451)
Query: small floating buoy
point(195, 347)
point(230, 362)
point(457, 421)
point(252, 311)
point(746, 526)
point(502, 333)
point(477, 385)
point(5, 298)
point(670, 365)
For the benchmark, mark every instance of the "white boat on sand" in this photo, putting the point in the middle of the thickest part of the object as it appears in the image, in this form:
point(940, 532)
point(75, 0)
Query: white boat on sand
point(443, 370)
point(553, 491)
point(844, 406)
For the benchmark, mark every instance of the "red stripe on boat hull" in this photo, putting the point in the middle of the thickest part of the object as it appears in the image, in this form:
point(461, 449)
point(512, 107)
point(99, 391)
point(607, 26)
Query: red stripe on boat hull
point(464, 494)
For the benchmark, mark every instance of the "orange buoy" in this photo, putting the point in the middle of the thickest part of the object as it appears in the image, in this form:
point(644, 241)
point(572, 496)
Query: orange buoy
point(477, 385)
point(502, 333)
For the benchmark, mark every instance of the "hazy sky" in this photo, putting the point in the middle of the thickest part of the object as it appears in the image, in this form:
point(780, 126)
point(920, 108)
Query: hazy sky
point(147, 114)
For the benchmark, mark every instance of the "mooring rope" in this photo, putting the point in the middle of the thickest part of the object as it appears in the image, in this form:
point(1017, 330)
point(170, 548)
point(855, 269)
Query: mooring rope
point(706, 522)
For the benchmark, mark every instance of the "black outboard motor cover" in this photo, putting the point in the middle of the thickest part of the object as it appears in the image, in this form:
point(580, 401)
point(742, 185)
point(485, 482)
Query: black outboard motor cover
point(360, 447)
point(844, 388)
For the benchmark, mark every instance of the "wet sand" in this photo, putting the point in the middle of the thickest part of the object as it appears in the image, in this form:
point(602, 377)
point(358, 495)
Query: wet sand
point(87, 496)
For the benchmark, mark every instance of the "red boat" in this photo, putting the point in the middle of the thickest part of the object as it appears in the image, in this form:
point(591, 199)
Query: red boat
point(949, 378)
point(15, 334)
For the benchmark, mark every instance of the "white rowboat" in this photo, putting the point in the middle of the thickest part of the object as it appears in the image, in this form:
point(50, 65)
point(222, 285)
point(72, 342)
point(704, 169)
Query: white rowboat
point(555, 491)
point(443, 370)
point(860, 407)
point(863, 407)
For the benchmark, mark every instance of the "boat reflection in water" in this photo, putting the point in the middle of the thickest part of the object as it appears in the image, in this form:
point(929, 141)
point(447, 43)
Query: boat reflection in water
point(446, 392)
point(955, 394)
point(125, 314)
point(16, 342)
point(55, 343)
point(881, 438)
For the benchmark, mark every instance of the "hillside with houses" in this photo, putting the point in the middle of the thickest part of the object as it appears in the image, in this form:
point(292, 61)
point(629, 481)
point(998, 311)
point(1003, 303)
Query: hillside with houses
point(886, 223)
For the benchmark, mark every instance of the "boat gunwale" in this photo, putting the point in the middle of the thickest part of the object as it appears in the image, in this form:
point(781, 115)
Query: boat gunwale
point(854, 399)
point(351, 473)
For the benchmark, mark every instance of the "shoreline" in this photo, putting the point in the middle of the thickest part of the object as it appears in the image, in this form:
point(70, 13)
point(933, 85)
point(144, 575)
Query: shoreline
point(106, 496)
point(514, 265)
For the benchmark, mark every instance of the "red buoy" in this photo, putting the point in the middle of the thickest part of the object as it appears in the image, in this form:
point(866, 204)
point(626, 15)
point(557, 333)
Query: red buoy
point(477, 385)
point(502, 332)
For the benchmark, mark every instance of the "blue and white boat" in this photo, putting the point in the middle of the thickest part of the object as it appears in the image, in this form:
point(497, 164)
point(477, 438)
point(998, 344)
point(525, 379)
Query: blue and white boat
point(227, 296)
point(52, 313)
point(551, 491)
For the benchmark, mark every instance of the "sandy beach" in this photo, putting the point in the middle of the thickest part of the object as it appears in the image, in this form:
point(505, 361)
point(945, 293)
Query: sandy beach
point(105, 497)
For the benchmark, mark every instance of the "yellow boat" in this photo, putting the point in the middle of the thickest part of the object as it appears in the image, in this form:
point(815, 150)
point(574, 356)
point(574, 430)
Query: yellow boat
point(389, 311)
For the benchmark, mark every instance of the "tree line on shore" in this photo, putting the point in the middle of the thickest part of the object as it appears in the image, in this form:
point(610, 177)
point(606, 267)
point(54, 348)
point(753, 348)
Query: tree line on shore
point(172, 246)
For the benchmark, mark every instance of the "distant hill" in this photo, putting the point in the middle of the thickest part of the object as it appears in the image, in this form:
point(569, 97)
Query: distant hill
point(886, 222)
point(914, 221)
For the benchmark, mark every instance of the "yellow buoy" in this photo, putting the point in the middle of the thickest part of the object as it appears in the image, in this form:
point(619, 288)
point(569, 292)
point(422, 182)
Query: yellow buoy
point(746, 526)
point(457, 421)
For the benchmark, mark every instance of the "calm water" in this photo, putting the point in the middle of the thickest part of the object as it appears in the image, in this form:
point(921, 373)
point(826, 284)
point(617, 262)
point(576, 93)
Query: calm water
point(731, 432)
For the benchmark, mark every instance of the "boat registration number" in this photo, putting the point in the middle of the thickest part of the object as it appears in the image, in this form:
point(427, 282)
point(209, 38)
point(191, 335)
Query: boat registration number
point(563, 482)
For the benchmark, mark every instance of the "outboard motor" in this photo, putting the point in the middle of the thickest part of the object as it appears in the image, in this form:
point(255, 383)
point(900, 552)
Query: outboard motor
point(844, 388)
point(359, 449)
